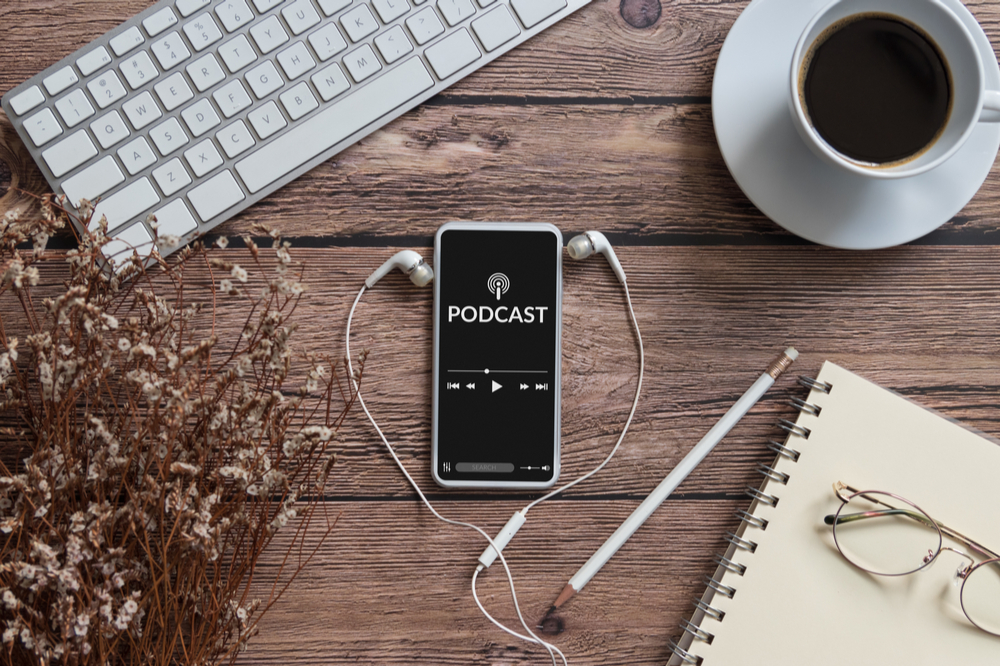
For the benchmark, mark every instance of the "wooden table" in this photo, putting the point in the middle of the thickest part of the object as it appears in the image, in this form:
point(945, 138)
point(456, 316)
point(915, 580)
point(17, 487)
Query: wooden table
point(603, 122)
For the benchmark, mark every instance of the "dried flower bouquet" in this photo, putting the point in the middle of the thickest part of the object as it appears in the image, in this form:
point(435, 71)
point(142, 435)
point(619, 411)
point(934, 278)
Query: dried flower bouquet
point(148, 457)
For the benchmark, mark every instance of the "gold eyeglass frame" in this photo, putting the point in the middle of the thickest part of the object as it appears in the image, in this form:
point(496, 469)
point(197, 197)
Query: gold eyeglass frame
point(846, 493)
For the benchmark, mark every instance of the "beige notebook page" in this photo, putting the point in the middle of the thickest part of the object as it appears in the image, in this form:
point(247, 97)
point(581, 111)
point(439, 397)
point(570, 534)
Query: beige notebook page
point(800, 602)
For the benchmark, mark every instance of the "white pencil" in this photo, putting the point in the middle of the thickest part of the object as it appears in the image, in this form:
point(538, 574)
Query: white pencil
point(676, 476)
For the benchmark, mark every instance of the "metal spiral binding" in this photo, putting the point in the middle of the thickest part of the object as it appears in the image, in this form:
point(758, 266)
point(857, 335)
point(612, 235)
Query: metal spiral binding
point(688, 658)
point(714, 584)
point(803, 406)
point(696, 632)
point(740, 543)
point(709, 610)
point(810, 383)
point(735, 568)
point(772, 474)
point(794, 429)
point(789, 453)
point(751, 520)
point(765, 498)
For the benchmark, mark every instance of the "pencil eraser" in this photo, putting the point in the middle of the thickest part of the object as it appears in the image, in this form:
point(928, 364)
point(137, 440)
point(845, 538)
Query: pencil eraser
point(792, 353)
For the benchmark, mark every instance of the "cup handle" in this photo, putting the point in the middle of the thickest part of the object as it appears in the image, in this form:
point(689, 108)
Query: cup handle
point(991, 107)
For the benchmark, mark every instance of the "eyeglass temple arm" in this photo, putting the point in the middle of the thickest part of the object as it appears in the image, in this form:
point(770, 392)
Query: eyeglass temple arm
point(840, 488)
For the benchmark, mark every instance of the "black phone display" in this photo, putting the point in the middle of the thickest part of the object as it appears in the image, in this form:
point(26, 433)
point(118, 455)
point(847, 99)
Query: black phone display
point(497, 328)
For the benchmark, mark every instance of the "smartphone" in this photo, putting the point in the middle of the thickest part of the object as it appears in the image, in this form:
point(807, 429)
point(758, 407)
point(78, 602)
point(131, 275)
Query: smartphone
point(497, 352)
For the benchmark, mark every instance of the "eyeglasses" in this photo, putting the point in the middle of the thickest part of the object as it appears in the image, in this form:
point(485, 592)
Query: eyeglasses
point(885, 534)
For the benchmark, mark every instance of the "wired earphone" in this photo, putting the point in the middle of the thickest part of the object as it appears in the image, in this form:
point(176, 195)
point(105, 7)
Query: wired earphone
point(420, 274)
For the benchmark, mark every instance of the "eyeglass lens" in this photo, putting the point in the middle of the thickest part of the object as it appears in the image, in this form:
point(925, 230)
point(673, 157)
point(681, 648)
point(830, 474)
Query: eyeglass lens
point(981, 596)
point(885, 535)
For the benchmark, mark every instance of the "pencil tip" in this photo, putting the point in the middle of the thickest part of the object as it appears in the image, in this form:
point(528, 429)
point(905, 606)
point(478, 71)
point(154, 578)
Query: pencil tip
point(566, 594)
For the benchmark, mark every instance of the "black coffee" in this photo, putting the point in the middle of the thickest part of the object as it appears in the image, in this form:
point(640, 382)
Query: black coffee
point(876, 89)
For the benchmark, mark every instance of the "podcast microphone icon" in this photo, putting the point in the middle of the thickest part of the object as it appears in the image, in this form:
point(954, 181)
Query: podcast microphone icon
point(498, 284)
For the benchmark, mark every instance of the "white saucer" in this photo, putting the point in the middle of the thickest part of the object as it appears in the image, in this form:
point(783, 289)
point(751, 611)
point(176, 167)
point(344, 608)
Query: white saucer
point(794, 187)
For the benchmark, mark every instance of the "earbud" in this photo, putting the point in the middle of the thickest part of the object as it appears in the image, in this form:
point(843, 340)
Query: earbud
point(586, 244)
point(407, 261)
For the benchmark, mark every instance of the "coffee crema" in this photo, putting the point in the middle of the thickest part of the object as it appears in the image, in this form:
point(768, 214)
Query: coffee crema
point(876, 89)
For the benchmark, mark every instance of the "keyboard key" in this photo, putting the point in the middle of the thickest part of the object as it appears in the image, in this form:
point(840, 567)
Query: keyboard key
point(74, 108)
point(136, 155)
point(495, 28)
point(390, 10)
point(94, 61)
point(158, 22)
point(267, 120)
point(334, 124)
point(203, 158)
point(131, 38)
point(533, 12)
point(456, 11)
point(393, 44)
point(173, 91)
point(232, 98)
point(24, 102)
point(300, 16)
point(330, 82)
point(42, 127)
point(264, 79)
point(138, 70)
point(174, 219)
point(296, 61)
point(359, 23)
point(134, 240)
point(189, 7)
point(205, 72)
point(362, 63)
point(202, 32)
point(126, 204)
point(60, 81)
point(298, 101)
point(235, 139)
point(200, 117)
point(170, 51)
point(234, 14)
point(216, 195)
point(106, 89)
point(168, 136)
point(69, 153)
point(141, 110)
point(327, 42)
point(264, 5)
point(109, 129)
point(269, 34)
point(331, 7)
point(172, 177)
point(424, 25)
point(452, 53)
point(93, 181)
point(237, 53)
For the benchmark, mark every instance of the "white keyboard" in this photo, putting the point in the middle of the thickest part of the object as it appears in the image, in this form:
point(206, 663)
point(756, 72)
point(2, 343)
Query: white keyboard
point(195, 109)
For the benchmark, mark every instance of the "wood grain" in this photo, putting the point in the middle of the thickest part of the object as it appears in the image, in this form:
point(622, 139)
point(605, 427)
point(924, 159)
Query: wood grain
point(595, 124)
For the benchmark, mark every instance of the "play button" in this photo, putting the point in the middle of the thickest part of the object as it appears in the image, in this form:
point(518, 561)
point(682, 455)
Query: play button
point(496, 385)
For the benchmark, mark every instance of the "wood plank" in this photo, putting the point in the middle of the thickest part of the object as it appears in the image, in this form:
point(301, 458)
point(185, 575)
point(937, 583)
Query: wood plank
point(392, 585)
point(652, 173)
point(917, 319)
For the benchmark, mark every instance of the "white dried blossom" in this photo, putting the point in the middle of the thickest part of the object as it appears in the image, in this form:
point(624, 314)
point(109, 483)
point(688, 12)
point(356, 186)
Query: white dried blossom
point(124, 344)
point(239, 273)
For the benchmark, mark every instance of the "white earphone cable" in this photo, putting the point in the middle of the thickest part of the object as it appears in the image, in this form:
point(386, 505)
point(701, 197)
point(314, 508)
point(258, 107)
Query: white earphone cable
point(552, 650)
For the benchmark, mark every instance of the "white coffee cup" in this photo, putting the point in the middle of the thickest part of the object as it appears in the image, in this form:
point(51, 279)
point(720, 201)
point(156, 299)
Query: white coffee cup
point(971, 102)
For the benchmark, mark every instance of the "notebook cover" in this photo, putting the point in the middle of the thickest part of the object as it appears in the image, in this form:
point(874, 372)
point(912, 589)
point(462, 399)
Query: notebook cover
point(800, 601)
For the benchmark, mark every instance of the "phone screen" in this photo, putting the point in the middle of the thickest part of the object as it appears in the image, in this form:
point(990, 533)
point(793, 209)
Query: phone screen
point(498, 300)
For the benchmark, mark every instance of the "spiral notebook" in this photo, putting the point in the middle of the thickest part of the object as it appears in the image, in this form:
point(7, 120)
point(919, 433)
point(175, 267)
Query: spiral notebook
point(783, 594)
